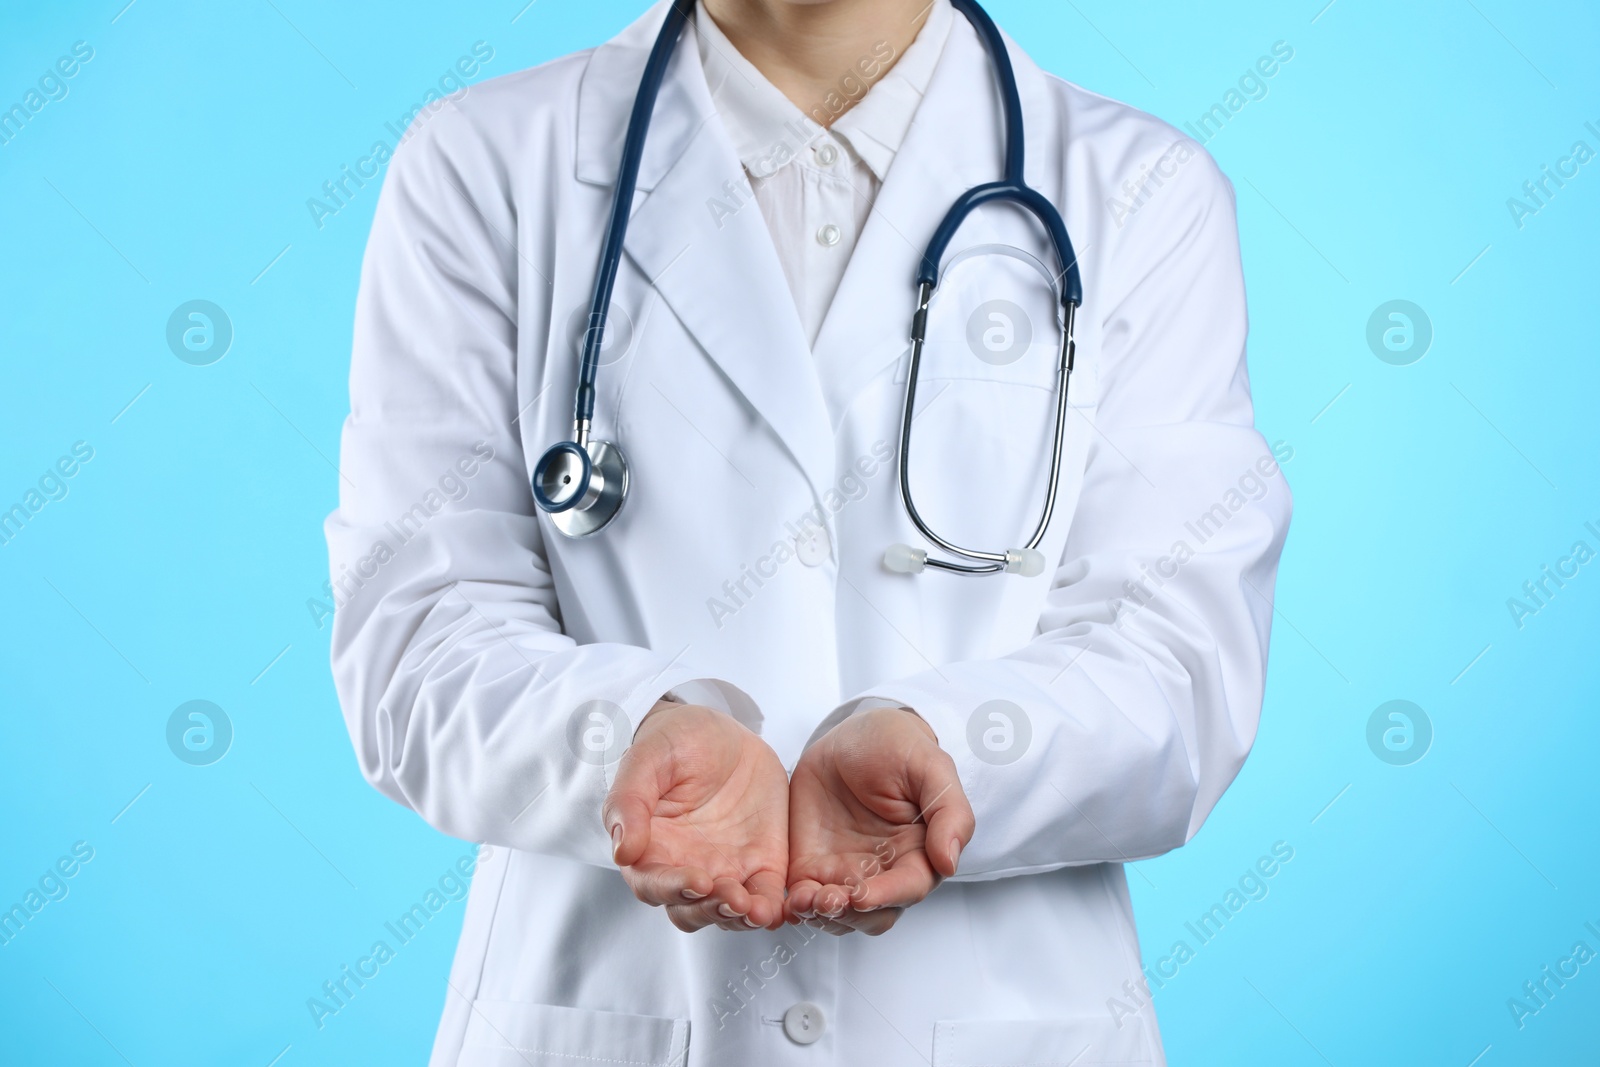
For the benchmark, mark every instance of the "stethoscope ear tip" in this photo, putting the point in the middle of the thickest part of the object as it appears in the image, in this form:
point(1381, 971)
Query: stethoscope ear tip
point(903, 559)
point(1028, 562)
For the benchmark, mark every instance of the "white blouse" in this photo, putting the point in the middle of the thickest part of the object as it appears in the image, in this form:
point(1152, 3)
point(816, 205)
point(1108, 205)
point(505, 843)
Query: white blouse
point(816, 179)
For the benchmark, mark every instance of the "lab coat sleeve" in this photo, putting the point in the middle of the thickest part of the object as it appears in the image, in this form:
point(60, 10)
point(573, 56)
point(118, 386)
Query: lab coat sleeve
point(1134, 706)
point(464, 699)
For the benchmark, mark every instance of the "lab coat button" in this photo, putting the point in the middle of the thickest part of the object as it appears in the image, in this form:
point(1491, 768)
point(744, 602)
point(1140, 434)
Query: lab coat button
point(813, 547)
point(803, 1023)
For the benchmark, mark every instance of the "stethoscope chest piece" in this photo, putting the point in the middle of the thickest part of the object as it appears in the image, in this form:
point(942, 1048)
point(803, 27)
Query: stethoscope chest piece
point(581, 487)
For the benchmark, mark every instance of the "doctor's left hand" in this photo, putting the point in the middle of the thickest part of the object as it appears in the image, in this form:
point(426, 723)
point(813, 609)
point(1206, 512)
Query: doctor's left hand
point(699, 820)
point(877, 818)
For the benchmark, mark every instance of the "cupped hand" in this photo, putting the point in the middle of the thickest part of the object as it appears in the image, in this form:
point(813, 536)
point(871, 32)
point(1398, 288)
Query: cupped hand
point(877, 817)
point(699, 820)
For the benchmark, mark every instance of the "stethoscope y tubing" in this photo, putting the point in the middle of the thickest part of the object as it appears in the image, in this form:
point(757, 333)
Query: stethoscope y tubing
point(990, 562)
point(579, 476)
point(1011, 188)
point(644, 103)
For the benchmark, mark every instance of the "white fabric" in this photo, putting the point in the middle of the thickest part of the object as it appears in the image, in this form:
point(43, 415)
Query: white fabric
point(470, 637)
point(809, 176)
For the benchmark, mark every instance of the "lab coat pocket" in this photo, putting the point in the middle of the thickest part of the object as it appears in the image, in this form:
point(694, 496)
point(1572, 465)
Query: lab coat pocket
point(505, 1033)
point(1080, 1042)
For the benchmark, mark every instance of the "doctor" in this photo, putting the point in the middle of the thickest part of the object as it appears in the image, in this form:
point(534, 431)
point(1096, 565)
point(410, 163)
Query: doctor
point(736, 701)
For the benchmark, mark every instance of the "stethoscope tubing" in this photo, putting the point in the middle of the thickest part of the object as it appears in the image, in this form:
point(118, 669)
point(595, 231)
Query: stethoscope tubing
point(644, 103)
point(1012, 188)
point(993, 562)
point(562, 477)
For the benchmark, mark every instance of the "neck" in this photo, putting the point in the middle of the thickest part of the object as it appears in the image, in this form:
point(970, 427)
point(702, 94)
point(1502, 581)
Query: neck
point(822, 54)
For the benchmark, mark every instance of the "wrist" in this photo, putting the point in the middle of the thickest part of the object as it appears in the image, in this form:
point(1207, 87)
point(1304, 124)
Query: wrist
point(666, 703)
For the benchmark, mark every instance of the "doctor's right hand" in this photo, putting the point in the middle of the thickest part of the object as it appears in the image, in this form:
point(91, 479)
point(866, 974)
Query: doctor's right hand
point(699, 820)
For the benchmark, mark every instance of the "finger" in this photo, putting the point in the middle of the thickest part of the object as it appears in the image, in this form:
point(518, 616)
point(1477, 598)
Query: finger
point(947, 812)
point(690, 917)
point(908, 882)
point(628, 807)
point(800, 904)
point(730, 899)
point(871, 923)
point(712, 912)
point(659, 885)
point(827, 926)
point(805, 906)
point(766, 899)
point(831, 901)
point(727, 906)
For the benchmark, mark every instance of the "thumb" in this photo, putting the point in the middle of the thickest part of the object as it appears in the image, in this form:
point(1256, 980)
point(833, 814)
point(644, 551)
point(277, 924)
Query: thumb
point(946, 811)
point(628, 807)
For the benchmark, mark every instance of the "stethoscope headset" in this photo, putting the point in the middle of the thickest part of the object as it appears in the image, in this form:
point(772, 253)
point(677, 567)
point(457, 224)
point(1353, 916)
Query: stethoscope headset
point(582, 483)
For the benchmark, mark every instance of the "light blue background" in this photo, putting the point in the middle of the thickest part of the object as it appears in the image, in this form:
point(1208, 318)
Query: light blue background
point(180, 563)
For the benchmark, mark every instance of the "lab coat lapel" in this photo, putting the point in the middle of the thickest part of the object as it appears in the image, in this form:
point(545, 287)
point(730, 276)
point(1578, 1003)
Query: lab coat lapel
point(701, 239)
point(869, 323)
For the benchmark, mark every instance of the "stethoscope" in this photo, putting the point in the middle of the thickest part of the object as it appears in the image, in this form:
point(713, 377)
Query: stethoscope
point(582, 483)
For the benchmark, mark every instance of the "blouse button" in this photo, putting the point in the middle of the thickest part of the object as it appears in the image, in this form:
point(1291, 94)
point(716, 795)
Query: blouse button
point(828, 236)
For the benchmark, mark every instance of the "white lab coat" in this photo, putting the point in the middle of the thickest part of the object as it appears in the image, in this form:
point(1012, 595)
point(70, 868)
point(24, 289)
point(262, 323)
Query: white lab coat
point(471, 639)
